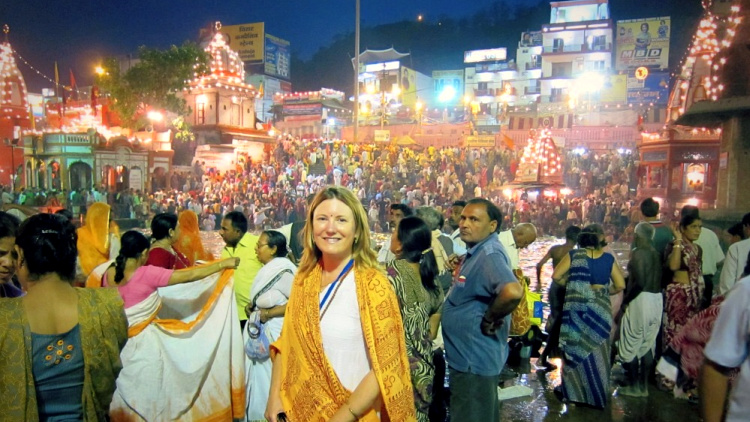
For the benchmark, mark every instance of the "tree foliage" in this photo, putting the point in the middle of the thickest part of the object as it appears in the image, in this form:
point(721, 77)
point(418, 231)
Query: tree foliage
point(153, 83)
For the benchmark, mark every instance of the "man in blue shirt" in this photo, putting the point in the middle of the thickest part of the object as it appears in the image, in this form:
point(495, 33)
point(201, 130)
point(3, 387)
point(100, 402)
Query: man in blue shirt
point(476, 315)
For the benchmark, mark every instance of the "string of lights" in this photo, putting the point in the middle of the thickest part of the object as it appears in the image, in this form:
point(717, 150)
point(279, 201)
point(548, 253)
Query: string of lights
point(38, 72)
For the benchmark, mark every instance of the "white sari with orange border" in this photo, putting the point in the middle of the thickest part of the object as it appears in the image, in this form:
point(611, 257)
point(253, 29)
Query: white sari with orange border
point(184, 359)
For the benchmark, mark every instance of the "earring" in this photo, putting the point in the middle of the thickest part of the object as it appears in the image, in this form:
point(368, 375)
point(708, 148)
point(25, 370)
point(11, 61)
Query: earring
point(356, 239)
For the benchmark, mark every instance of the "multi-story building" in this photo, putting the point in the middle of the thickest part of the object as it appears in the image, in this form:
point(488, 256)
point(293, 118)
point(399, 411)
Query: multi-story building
point(576, 52)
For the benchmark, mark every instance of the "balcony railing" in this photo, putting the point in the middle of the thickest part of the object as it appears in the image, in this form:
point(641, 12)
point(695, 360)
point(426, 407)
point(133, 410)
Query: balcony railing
point(533, 66)
point(530, 90)
point(575, 48)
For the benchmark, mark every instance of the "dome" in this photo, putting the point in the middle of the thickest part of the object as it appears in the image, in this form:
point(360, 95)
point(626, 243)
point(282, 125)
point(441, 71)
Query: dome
point(224, 62)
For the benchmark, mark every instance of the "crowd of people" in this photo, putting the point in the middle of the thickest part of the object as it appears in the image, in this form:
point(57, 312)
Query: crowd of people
point(302, 318)
point(671, 313)
point(272, 191)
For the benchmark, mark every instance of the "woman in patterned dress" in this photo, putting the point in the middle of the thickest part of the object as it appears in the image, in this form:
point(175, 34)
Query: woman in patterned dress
point(412, 275)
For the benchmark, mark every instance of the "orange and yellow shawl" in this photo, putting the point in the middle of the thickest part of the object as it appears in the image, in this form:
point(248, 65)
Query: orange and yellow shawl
point(310, 389)
point(189, 243)
point(93, 237)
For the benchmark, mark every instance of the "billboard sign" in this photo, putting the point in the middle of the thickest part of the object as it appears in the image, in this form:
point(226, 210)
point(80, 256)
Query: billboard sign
point(531, 39)
point(653, 89)
point(379, 67)
point(36, 102)
point(315, 109)
point(247, 40)
point(278, 57)
point(643, 42)
point(480, 141)
point(489, 55)
point(448, 82)
point(615, 89)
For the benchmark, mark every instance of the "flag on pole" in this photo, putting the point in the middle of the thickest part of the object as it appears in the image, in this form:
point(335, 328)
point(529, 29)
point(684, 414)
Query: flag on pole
point(509, 141)
point(73, 85)
point(57, 92)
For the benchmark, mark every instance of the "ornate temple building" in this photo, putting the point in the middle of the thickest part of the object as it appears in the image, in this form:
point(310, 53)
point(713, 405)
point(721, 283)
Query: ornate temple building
point(680, 164)
point(14, 115)
point(223, 110)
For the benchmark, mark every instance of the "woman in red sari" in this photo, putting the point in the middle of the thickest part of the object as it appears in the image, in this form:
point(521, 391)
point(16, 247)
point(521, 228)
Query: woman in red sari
point(684, 292)
point(164, 234)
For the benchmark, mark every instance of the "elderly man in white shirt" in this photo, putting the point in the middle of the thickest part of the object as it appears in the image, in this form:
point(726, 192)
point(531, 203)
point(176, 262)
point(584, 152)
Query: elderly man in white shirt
point(515, 239)
point(736, 259)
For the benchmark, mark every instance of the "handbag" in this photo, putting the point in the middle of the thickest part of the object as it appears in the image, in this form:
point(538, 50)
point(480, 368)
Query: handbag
point(257, 346)
point(521, 317)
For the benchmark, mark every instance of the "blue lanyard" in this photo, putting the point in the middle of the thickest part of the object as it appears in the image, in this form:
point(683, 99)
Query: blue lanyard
point(332, 285)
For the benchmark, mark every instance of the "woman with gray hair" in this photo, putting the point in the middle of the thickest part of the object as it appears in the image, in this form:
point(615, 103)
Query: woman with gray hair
point(643, 312)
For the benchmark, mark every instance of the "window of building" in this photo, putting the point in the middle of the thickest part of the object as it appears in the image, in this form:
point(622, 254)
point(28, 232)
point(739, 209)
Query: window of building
point(558, 45)
point(562, 69)
point(599, 43)
point(556, 95)
point(200, 113)
point(598, 65)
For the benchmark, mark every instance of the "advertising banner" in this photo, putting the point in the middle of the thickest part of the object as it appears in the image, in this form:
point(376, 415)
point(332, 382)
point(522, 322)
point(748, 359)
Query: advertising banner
point(643, 42)
point(480, 141)
point(36, 102)
point(278, 57)
point(247, 40)
point(451, 82)
point(489, 55)
point(615, 89)
point(408, 84)
point(531, 39)
point(302, 109)
point(653, 89)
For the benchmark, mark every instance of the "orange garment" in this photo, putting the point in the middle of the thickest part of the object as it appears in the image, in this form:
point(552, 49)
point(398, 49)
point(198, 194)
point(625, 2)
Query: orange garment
point(310, 389)
point(189, 243)
point(93, 237)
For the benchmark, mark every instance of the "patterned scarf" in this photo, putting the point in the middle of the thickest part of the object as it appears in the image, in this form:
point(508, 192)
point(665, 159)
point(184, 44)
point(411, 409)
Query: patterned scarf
point(310, 389)
point(584, 336)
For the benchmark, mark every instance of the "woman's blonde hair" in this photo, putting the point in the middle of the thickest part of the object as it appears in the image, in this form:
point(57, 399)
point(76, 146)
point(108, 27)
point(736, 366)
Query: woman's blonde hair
point(362, 253)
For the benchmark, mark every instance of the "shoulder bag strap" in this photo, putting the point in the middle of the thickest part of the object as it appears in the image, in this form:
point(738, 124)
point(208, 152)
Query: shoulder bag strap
point(270, 285)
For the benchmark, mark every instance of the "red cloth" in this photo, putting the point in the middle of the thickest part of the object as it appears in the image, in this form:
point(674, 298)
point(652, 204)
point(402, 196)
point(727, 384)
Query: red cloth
point(160, 257)
point(692, 338)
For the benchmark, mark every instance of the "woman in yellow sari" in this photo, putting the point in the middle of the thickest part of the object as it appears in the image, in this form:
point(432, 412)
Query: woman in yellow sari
point(189, 242)
point(98, 239)
point(342, 353)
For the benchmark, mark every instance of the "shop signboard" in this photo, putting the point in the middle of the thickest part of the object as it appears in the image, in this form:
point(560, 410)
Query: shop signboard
point(480, 141)
point(302, 109)
point(247, 40)
point(643, 42)
point(382, 135)
point(278, 57)
point(528, 172)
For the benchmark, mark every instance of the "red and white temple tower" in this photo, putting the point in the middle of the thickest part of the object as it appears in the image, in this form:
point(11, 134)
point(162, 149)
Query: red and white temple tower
point(14, 114)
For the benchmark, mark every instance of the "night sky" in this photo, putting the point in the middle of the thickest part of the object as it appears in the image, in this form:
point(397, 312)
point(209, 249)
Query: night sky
point(79, 33)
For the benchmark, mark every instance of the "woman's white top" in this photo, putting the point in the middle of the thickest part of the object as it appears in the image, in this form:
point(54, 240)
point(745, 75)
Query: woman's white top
point(343, 340)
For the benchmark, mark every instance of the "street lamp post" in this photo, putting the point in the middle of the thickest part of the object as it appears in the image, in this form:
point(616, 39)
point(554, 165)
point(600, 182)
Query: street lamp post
point(356, 72)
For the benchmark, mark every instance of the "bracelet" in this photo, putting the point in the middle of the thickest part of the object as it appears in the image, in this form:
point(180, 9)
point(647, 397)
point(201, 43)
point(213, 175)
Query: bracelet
point(356, 418)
